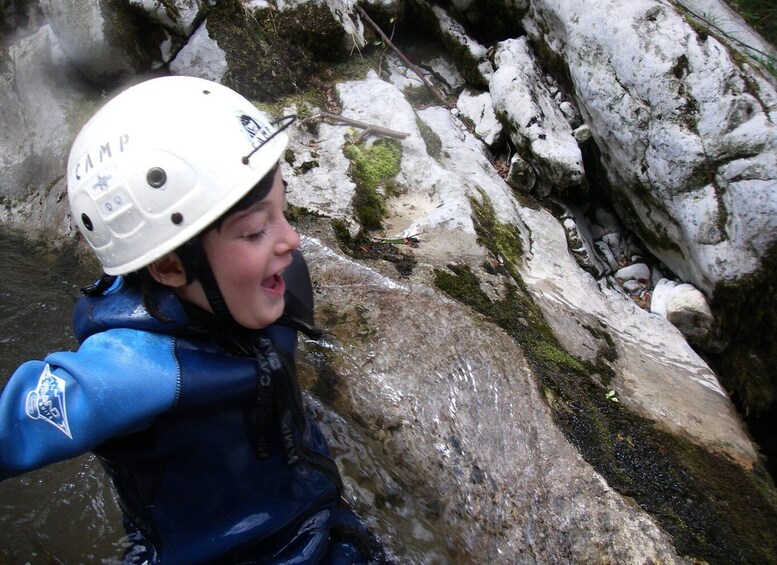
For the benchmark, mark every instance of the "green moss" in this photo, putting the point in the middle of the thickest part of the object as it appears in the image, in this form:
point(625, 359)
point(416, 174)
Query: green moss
point(419, 96)
point(296, 214)
point(261, 64)
point(713, 509)
point(309, 27)
point(431, 139)
point(371, 168)
point(123, 25)
point(549, 352)
point(357, 66)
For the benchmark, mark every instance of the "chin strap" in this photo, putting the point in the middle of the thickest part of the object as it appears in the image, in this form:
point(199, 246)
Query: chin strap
point(197, 266)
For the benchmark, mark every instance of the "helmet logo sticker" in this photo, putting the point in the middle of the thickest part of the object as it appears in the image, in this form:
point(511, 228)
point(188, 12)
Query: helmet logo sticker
point(99, 154)
point(47, 401)
point(257, 134)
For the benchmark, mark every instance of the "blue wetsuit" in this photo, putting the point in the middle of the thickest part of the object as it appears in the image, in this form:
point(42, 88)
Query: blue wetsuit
point(202, 429)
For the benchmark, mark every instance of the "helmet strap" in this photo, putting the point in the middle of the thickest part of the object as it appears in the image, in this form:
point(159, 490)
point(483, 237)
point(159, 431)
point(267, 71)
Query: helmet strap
point(197, 266)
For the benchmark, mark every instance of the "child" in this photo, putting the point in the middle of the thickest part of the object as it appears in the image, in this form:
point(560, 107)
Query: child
point(184, 383)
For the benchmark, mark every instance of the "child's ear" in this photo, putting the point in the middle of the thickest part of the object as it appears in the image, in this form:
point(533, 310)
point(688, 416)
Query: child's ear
point(168, 270)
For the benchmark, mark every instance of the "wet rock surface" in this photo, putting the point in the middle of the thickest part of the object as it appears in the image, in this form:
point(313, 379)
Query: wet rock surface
point(513, 370)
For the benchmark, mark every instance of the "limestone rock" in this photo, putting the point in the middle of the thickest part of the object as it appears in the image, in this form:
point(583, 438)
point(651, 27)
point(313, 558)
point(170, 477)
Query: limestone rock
point(479, 109)
point(685, 307)
point(539, 128)
point(473, 64)
point(41, 109)
point(441, 400)
point(635, 271)
point(179, 16)
point(696, 166)
point(688, 310)
point(201, 57)
point(521, 174)
point(102, 38)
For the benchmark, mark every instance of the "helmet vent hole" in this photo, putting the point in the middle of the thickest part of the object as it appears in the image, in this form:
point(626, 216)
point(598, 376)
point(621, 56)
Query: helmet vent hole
point(87, 222)
point(176, 218)
point(206, 91)
point(156, 177)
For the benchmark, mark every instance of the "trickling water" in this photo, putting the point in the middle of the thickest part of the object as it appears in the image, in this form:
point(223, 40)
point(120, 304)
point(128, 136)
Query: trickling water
point(64, 513)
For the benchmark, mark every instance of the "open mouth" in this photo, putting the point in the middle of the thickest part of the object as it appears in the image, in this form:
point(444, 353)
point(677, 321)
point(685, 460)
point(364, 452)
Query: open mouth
point(274, 285)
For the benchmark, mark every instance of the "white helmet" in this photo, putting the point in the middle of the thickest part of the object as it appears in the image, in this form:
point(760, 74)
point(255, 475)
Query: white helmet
point(160, 162)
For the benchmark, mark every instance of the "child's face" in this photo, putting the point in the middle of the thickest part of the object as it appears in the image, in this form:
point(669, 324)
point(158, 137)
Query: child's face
point(248, 254)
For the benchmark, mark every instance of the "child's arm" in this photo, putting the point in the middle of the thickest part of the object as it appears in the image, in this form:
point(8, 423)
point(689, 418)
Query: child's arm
point(115, 384)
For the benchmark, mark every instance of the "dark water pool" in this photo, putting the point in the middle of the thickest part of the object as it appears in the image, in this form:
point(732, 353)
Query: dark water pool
point(64, 513)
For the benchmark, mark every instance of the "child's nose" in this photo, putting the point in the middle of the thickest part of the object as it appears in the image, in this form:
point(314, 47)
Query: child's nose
point(289, 240)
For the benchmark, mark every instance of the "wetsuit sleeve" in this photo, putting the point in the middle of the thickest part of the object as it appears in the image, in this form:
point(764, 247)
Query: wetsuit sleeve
point(116, 383)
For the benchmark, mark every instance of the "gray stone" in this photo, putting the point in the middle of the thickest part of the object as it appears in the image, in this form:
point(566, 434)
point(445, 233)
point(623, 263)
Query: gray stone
point(680, 118)
point(179, 16)
point(41, 109)
point(478, 108)
point(688, 310)
point(521, 97)
point(201, 57)
point(100, 38)
point(521, 174)
point(636, 271)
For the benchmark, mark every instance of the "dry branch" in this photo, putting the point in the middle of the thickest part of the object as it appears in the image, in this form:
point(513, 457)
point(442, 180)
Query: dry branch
point(368, 128)
point(411, 66)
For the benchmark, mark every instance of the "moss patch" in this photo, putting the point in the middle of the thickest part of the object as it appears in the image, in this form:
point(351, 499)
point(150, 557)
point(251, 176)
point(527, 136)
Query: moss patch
point(372, 168)
point(309, 27)
point(262, 65)
point(431, 139)
point(123, 24)
point(711, 507)
point(419, 96)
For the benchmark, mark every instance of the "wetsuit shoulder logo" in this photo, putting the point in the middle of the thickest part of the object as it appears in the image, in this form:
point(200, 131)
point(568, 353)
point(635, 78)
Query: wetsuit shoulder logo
point(47, 401)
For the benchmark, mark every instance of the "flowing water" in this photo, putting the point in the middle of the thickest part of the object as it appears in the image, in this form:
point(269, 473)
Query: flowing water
point(64, 513)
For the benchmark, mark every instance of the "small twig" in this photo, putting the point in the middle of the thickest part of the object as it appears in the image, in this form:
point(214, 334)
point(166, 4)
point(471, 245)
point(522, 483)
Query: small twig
point(411, 66)
point(411, 240)
point(368, 128)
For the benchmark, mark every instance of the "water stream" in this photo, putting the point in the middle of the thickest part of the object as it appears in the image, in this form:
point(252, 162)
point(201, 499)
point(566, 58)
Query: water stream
point(64, 513)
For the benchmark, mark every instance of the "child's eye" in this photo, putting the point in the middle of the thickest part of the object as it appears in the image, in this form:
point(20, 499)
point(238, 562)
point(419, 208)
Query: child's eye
point(254, 236)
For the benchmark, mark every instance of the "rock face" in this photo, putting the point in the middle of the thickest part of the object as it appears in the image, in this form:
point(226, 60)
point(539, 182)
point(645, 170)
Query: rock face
point(441, 409)
point(523, 371)
point(539, 128)
point(102, 39)
point(695, 172)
